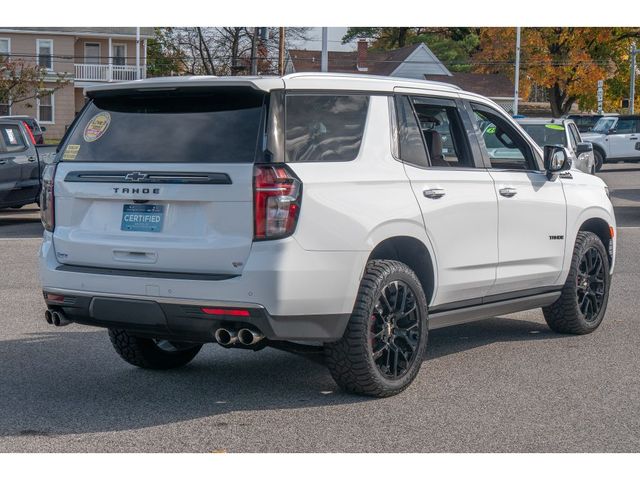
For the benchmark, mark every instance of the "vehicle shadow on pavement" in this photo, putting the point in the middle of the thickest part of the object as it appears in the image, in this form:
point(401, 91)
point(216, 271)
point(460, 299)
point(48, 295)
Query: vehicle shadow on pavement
point(69, 382)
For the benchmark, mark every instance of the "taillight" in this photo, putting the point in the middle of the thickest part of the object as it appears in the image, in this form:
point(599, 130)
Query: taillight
point(276, 201)
point(33, 140)
point(47, 200)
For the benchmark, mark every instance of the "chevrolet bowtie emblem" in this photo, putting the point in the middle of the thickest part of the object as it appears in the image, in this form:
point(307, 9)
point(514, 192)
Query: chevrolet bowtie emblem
point(135, 176)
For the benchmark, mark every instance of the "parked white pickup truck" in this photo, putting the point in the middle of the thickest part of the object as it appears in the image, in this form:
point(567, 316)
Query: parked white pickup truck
point(615, 138)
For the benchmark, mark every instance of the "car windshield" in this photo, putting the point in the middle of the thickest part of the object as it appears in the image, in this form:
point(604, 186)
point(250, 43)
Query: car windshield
point(546, 133)
point(604, 125)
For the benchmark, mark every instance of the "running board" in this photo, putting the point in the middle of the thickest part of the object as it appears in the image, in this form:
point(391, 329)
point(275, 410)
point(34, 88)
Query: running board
point(488, 310)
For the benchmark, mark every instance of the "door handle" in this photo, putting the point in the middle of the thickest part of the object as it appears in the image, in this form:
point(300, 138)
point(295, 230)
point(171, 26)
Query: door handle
point(633, 138)
point(434, 193)
point(2, 162)
point(508, 192)
point(31, 159)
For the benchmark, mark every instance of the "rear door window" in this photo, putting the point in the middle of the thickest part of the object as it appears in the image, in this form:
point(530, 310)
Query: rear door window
point(189, 126)
point(12, 139)
point(323, 127)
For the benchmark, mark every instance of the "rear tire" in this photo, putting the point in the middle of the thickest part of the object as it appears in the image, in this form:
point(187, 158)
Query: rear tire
point(599, 159)
point(583, 302)
point(384, 343)
point(151, 353)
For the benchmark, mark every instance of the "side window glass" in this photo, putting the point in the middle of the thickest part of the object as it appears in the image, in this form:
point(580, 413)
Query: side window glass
point(12, 138)
point(573, 143)
point(324, 128)
point(503, 145)
point(444, 136)
point(625, 125)
point(409, 137)
point(575, 135)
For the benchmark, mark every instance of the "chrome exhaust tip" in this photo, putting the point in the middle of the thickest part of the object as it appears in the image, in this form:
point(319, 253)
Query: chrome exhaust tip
point(248, 337)
point(48, 317)
point(225, 337)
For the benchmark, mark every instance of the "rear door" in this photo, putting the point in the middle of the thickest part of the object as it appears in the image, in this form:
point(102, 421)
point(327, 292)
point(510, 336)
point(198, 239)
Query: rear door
point(161, 182)
point(457, 199)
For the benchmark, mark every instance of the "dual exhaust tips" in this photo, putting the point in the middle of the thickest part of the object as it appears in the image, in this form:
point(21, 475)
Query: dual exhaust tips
point(245, 336)
point(54, 317)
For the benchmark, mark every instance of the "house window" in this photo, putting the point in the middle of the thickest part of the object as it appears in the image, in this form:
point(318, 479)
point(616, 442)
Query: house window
point(119, 54)
point(45, 53)
point(46, 111)
point(5, 47)
point(92, 53)
point(5, 108)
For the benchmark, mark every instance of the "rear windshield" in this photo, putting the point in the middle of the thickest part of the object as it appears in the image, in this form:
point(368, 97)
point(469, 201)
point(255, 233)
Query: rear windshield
point(546, 133)
point(192, 126)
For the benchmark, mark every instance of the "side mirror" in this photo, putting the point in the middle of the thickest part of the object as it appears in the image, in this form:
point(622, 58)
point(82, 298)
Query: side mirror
point(556, 159)
point(584, 147)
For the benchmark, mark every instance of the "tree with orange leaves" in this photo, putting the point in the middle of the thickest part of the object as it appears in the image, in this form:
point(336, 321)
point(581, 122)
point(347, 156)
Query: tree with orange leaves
point(567, 61)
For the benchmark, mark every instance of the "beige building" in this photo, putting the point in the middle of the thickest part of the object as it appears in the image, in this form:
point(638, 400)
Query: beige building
point(85, 55)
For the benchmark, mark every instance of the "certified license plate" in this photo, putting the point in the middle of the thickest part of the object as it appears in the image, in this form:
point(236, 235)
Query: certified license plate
point(142, 218)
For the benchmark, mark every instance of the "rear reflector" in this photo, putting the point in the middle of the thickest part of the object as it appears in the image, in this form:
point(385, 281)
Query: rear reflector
point(223, 311)
point(53, 297)
point(612, 232)
point(33, 140)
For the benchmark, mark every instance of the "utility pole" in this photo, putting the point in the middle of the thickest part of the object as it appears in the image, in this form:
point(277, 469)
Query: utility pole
point(254, 51)
point(281, 52)
point(324, 60)
point(632, 86)
point(517, 76)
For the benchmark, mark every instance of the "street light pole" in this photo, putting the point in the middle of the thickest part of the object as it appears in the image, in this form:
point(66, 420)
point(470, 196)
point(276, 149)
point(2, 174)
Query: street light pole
point(281, 52)
point(517, 76)
point(632, 86)
point(254, 51)
point(324, 59)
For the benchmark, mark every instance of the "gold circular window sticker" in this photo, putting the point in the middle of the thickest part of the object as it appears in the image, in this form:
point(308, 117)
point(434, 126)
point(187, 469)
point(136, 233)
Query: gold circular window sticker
point(97, 126)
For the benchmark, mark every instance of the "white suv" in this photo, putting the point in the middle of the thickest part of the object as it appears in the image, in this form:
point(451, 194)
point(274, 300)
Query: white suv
point(346, 213)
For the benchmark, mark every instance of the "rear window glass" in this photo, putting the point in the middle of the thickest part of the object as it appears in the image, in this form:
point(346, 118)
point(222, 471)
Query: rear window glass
point(193, 126)
point(324, 128)
point(12, 139)
point(546, 133)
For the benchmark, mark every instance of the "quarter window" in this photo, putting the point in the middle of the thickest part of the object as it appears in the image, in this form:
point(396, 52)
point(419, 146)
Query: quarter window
point(505, 148)
point(324, 128)
point(410, 140)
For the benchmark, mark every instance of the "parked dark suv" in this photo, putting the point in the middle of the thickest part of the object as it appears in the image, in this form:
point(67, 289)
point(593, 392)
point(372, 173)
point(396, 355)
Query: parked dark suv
point(19, 165)
point(36, 130)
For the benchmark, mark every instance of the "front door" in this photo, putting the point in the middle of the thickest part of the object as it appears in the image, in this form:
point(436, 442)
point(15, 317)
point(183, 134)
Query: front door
point(622, 143)
point(531, 208)
point(457, 199)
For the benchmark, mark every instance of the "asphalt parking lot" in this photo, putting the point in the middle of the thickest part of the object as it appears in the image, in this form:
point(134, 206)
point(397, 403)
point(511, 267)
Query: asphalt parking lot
point(503, 384)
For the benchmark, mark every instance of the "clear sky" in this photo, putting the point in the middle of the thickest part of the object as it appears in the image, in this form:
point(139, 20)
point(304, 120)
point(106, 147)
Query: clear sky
point(335, 40)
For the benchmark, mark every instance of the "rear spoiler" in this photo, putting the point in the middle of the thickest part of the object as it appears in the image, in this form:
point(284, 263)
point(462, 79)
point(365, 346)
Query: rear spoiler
point(265, 84)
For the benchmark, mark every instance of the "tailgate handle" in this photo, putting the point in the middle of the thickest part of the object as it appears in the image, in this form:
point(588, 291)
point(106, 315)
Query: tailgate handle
point(135, 256)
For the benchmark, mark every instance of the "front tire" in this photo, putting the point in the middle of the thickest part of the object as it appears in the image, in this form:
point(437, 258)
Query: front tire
point(150, 353)
point(384, 343)
point(583, 302)
point(599, 159)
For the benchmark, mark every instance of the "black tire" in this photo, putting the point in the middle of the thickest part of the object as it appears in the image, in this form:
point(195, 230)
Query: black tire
point(599, 159)
point(150, 353)
point(375, 325)
point(583, 302)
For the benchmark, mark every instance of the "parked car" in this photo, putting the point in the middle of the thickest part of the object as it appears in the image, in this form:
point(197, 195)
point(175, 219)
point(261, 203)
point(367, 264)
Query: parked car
point(36, 129)
point(313, 212)
point(549, 131)
point(19, 165)
point(615, 138)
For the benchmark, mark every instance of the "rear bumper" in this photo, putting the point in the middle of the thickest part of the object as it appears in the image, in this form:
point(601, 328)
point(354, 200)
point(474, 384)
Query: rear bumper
point(180, 319)
point(291, 293)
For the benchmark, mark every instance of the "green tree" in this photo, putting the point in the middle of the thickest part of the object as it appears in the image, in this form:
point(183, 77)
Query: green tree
point(163, 59)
